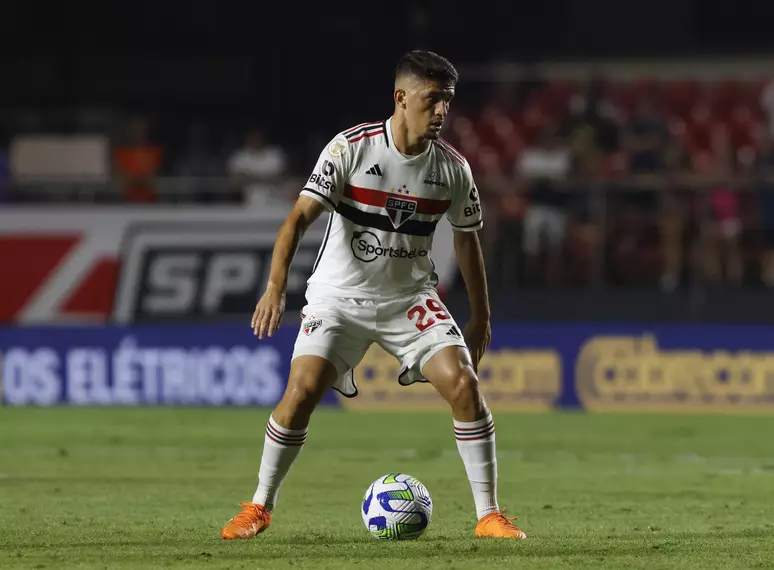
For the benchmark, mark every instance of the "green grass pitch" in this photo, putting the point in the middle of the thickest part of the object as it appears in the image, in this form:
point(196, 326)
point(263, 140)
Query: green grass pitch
point(151, 488)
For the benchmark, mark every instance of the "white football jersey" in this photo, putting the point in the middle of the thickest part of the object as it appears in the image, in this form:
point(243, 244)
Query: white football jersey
point(384, 207)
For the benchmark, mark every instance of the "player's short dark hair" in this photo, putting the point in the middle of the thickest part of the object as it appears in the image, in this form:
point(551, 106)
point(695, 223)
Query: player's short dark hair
point(427, 65)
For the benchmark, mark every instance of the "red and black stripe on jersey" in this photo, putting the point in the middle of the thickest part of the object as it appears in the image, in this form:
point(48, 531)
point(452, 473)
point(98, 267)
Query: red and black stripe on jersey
point(378, 198)
point(365, 130)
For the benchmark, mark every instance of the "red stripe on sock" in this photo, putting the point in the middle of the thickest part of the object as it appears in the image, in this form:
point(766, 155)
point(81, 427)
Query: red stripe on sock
point(485, 435)
point(283, 439)
point(285, 443)
point(278, 433)
point(491, 423)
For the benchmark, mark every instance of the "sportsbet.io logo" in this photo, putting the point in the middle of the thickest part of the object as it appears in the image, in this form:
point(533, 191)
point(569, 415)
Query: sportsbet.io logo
point(367, 248)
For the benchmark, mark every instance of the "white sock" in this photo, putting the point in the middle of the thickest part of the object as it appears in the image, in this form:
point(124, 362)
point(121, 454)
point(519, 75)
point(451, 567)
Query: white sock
point(476, 444)
point(281, 446)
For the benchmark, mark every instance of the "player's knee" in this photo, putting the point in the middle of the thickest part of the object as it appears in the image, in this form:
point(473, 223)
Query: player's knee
point(302, 391)
point(465, 395)
point(302, 394)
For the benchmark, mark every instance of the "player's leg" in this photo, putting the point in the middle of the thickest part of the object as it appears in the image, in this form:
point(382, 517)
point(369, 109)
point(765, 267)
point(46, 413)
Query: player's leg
point(327, 348)
point(450, 371)
point(421, 333)
point(310, 379)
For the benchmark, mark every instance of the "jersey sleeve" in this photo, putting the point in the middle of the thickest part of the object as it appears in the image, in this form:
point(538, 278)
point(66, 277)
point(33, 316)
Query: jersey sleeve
point(464, 214)
point(330, 174)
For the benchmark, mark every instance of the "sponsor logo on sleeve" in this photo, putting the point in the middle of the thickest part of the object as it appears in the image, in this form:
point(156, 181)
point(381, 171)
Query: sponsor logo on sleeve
point(338, 146)
point(322, 179)
point(472, 210)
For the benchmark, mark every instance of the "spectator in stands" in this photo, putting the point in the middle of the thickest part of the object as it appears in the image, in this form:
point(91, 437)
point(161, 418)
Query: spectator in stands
point(593, 123)
point(541, 171)
point(645, 138)
point(258, 169)
point(764, 176)
point(722, 225)
point(136, 162)
point(646, 146)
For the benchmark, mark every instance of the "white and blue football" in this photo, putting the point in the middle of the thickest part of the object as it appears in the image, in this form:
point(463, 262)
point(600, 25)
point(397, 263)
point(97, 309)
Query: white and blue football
point(397, 506)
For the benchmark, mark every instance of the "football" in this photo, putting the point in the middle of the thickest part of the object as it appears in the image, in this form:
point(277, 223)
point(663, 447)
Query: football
point(397, 506)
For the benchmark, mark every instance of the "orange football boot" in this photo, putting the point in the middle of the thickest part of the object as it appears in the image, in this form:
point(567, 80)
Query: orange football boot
point(497, 525)
point(253, 519)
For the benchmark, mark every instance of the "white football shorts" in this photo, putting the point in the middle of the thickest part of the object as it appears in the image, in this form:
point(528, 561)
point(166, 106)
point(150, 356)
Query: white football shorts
point(411, 328)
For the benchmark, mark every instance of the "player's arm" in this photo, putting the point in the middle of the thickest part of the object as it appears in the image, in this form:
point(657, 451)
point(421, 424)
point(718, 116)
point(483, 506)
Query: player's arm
point(304, 213)
point(466, 219)
point(470, 258)
point(321, 192)
point(271, 306)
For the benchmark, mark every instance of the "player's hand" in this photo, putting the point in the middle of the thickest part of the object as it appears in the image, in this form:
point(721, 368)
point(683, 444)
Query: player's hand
point(268, 312)
point(477, 333)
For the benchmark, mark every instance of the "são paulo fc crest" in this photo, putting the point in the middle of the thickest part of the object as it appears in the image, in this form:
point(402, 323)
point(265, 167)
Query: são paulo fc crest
point(310, 325)
point(399, 210)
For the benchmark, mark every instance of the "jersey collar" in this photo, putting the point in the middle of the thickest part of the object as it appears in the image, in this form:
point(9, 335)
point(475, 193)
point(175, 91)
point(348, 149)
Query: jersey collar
point(400, 156)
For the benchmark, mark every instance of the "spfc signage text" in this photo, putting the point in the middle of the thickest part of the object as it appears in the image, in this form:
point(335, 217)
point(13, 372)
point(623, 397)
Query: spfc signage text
point(206, 272)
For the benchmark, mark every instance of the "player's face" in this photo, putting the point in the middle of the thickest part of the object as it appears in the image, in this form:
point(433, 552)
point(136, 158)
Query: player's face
point(427, 107)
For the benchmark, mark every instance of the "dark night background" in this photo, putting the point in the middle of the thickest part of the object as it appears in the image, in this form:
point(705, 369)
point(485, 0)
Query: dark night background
point(288, 65)
point(291, 64)
point(303, 71)
point(295, 62)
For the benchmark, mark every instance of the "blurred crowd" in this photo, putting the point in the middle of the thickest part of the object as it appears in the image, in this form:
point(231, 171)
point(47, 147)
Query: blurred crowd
point(138, 164)
point(646, 182)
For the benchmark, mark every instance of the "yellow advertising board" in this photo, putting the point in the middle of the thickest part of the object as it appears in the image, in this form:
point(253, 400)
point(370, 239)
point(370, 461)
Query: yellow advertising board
point(510, 380)
point(620, 373)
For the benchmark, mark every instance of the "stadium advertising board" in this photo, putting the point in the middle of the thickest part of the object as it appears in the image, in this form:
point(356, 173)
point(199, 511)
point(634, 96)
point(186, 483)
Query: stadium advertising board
point(203, 271)
point(93, 265)
point(153, 365)
point(529, 367)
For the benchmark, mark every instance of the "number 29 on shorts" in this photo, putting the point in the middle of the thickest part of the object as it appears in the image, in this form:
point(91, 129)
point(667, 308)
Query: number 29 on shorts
point(427, 314)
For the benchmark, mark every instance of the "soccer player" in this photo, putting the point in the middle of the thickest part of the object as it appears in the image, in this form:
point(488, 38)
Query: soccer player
point(385, 184)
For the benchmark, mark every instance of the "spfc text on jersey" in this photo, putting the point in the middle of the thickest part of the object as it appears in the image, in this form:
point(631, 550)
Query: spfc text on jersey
point(400, 209)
